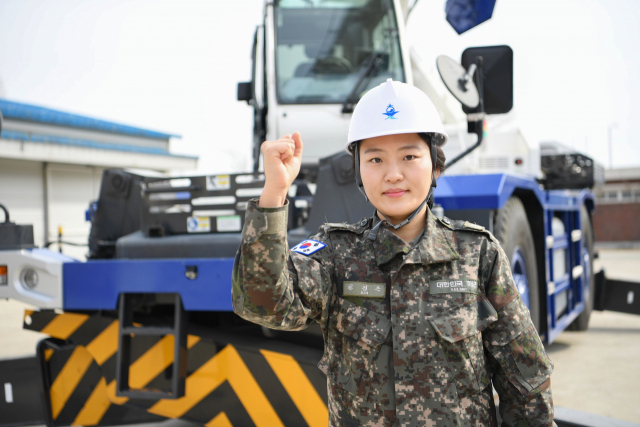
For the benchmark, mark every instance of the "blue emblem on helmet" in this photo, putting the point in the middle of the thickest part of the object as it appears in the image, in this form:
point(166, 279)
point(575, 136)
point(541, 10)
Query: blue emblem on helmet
point(391, 112)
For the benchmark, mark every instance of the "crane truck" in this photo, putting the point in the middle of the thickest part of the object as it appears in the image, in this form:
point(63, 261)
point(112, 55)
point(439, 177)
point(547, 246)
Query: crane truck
point(144, 331)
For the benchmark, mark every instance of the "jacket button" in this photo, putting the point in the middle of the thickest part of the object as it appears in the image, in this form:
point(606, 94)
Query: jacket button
point(363, 222)
point(445, 220)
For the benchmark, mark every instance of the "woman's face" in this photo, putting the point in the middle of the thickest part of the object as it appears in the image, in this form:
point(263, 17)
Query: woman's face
point(396, 173)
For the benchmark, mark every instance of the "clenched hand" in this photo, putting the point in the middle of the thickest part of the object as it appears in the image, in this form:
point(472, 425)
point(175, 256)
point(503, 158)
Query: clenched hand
point(282, 160)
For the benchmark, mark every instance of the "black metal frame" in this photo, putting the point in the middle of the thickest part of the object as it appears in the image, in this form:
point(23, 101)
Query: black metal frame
point(615, 295)
point(128, 330)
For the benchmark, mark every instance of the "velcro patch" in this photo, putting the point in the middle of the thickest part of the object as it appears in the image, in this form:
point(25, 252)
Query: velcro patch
point(308, 247)
point(360, 289)
point(450, 286)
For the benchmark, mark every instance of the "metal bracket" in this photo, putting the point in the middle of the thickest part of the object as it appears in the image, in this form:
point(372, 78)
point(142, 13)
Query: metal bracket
point(616, 295)
point(127, 333)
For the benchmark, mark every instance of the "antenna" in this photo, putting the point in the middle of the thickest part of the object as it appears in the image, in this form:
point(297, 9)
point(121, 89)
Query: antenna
point(459, 81)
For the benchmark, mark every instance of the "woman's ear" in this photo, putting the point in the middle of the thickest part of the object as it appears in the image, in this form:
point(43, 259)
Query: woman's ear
point(437, 173)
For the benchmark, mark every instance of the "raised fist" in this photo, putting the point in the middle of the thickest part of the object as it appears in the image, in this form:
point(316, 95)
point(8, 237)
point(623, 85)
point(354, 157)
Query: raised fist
point(282, 160)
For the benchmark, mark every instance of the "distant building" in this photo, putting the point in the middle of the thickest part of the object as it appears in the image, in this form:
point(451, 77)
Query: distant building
point(51, 163)
point(617, 217)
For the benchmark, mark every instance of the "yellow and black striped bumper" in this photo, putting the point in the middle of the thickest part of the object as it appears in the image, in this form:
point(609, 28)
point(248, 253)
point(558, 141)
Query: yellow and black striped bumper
point(228, 383)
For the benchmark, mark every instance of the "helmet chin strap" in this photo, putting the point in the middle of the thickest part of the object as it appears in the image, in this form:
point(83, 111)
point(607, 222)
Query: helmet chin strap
point(359, 183)
point(373, 234)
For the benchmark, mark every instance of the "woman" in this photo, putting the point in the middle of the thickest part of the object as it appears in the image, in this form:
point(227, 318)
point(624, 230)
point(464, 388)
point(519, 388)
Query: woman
point(420, 315)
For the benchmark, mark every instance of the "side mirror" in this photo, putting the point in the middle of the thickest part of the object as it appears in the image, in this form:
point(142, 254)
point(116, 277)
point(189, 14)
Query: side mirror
point(245, 92)
point(497, 69)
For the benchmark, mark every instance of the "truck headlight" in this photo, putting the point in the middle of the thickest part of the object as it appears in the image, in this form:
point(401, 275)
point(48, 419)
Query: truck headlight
point(29, 278)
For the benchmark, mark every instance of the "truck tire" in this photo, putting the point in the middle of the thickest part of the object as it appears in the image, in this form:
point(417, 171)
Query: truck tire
point(581, 323)
point(512, 229)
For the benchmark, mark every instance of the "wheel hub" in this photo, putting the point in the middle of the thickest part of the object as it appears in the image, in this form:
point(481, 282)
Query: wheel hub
point(519, 272)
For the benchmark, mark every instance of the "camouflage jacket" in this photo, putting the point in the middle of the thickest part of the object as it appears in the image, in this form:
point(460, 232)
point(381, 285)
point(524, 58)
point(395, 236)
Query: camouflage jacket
point(413, 336)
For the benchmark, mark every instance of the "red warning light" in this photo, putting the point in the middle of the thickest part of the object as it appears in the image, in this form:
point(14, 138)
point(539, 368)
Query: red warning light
point(3, 275)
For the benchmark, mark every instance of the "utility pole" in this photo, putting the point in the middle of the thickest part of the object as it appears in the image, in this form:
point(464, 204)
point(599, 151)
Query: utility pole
point(610, 129)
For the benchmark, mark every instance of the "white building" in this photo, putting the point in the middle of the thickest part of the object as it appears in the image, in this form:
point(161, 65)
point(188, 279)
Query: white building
point(51, 164)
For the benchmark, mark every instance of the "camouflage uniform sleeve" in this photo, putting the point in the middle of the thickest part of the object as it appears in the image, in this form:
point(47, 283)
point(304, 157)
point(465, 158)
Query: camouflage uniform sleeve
point(271, 286)
point(520, 366)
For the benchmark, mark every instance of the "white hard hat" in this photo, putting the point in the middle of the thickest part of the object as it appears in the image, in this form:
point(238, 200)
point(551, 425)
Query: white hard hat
point(392, 108)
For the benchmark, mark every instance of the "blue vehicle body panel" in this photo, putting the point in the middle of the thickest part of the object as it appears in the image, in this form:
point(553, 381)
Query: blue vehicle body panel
point(482, 191)
point(95, 285)
point(565, 298)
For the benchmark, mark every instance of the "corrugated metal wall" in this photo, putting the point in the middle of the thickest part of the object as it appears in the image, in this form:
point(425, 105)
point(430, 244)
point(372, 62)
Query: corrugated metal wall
point(22, 192)
point(70, 189)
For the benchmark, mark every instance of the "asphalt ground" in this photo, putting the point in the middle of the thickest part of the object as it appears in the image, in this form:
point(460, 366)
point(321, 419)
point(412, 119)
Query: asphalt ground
point(597, 371)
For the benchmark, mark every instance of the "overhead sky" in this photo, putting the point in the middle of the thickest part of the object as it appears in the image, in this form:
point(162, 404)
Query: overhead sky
point(173, 66)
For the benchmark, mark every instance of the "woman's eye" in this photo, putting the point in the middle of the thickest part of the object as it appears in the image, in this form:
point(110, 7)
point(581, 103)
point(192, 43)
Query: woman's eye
point(409, 157)
point(375, 160)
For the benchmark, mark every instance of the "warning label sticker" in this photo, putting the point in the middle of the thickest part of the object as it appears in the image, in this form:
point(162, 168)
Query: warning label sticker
point(228, 223)
point(198, 224)
point(218, 182)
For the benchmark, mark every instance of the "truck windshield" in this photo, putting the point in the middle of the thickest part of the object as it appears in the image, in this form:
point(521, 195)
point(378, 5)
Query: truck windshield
point(324, 47)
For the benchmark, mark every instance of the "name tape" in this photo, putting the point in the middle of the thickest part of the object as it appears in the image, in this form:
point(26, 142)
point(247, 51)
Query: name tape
point(450, 286)
point(367, 290)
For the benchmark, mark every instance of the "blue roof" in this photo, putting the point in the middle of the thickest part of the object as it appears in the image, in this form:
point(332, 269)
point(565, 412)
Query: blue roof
point(84, 143)
point(32, 113)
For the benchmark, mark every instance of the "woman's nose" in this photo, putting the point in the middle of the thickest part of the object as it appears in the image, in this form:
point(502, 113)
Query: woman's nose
point(394, 174)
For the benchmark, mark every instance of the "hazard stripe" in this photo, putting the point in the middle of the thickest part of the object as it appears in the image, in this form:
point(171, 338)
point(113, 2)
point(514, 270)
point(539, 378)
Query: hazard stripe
point(299, 387)
point(220, 420)
point(318, 379)
point(105, 344)
point(226, 389)
point(268, 382)
point(48, 353)
point(38, 319)
point(79, 396)
point(111, 394)
point(95, 407)
point(63, 325)
point(66, 382)
point(222, 399)
point(128, 415)
point(90, 329)
point(152, 363)
point(225, 366)
point(57, 361)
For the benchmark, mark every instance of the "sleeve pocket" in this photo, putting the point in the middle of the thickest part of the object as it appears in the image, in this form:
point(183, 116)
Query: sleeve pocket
point(515, 344)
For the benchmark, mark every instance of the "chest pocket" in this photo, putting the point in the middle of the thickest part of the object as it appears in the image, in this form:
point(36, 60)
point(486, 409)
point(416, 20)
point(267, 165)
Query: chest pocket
point(459, 331)
point(354, 338)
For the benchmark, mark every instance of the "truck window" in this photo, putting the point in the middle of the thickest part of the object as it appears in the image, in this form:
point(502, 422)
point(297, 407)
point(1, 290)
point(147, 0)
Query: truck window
point(323, 47)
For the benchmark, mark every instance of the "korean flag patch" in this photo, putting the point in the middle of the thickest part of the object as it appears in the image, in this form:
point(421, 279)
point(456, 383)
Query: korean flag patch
point(308, 247)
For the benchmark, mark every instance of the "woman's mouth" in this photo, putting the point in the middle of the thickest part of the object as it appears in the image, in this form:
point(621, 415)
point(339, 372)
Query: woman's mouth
point(395, 192)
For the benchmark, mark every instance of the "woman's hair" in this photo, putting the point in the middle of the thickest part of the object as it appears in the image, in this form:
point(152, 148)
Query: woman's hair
point(440, 157)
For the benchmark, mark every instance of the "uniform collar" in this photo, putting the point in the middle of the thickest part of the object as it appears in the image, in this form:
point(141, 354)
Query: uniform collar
point(434, 247)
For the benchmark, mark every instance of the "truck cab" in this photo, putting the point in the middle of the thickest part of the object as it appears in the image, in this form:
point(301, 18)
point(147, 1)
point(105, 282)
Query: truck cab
point(313, 60)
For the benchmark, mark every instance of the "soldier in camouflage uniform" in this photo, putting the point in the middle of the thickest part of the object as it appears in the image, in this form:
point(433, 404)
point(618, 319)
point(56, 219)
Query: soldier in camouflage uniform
point(417, 325)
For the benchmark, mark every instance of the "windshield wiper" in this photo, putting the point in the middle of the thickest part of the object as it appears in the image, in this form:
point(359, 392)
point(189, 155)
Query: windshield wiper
point(367, 75)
